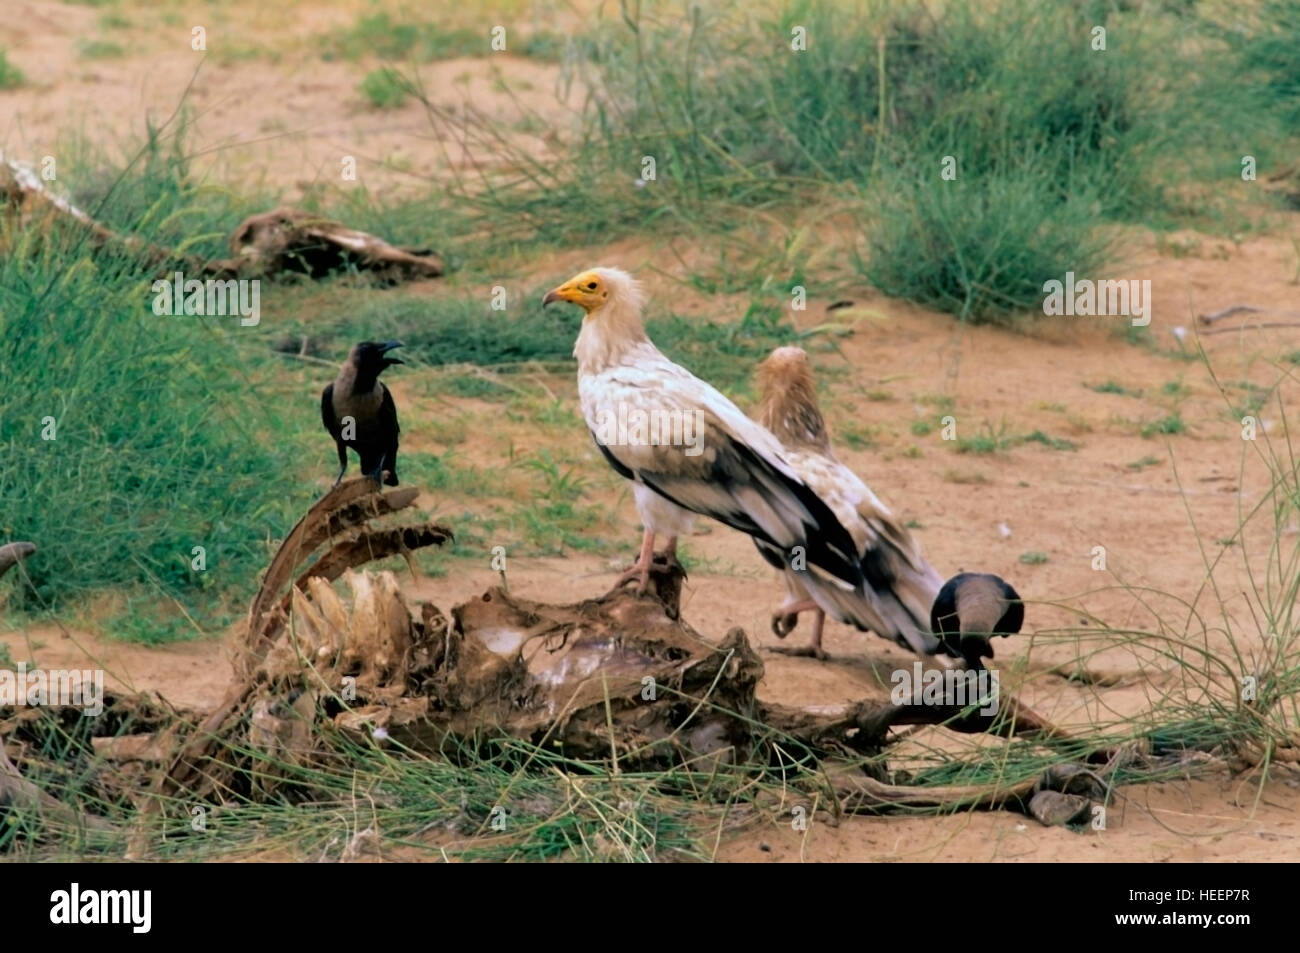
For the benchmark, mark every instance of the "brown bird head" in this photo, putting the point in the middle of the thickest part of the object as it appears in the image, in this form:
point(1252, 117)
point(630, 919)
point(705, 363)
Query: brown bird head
point(788, 400)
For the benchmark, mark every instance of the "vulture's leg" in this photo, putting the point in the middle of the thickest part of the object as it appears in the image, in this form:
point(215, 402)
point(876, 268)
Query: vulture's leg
point(670, 553)
point(784, 622)
point(640, 571)
point(815, 645)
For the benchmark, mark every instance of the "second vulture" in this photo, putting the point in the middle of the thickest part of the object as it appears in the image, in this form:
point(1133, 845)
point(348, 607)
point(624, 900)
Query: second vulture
point(900, 585)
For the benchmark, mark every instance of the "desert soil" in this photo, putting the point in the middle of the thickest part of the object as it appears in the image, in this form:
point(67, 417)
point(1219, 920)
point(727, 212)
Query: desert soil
point(1159, 522)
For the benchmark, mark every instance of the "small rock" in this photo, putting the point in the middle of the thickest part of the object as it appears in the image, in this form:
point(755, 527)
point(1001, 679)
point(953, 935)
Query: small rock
point(1053, 809)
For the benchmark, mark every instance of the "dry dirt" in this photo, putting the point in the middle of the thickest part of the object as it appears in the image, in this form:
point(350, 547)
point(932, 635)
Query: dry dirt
point(1159, 522)
point(263, 108)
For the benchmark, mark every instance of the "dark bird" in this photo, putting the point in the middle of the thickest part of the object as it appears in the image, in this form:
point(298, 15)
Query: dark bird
point(970, 609)
point(358, 411)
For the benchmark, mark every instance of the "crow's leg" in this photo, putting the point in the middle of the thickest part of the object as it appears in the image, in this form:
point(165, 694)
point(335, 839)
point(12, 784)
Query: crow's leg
point(343, 463)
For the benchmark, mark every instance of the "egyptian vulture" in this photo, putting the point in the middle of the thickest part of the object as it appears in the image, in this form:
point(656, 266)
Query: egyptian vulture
point(900, 585)
point(686, 448)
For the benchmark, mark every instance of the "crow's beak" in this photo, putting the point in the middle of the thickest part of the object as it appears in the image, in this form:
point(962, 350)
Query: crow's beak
point(388, 346)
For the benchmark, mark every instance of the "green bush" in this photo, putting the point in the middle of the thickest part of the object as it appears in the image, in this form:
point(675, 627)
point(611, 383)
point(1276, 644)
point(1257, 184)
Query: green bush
point(165, 436)
point(981, 246)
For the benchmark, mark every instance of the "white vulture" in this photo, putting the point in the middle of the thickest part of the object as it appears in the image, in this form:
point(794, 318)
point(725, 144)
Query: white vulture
point(686, 448)
point(901, 586)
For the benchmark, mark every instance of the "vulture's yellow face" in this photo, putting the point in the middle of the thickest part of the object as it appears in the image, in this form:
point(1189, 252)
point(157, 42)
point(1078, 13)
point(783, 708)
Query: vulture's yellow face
point(588, 290)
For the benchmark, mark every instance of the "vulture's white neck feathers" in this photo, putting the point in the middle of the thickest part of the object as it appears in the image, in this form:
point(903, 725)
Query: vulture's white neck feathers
point(612, 332)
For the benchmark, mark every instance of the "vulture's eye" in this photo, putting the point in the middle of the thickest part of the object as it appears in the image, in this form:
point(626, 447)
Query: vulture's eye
point(591, 286)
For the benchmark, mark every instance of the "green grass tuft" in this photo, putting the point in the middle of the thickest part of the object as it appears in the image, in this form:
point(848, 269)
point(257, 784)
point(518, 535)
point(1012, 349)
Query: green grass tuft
point(100, 50)
point(384, 88)
point(387, 38)
point(1170, 425)
point(11, 77)
point(1111, 387)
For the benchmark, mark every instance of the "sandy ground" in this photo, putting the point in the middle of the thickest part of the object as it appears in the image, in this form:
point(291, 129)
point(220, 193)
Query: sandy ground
point(262, 106)
point(1159, 522)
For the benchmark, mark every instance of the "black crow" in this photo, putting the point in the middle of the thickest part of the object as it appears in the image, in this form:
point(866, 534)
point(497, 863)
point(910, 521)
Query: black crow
point(970, 609)
point(358, 412)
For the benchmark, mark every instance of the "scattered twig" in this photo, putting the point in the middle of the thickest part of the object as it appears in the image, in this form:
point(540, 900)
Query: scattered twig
point(1244, 309)
point(1254, 327)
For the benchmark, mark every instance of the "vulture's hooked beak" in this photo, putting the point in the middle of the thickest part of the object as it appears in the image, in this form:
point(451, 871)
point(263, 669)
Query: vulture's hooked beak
point(587, 290)
point(569, 291)
point(557, 294)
